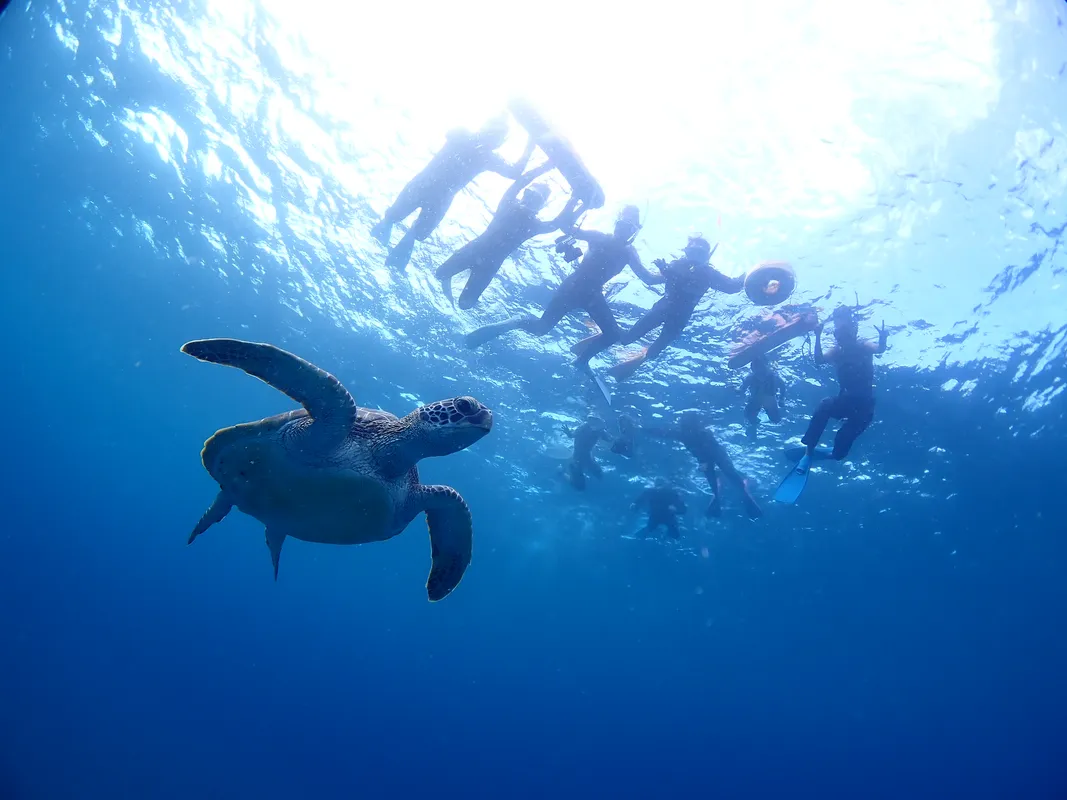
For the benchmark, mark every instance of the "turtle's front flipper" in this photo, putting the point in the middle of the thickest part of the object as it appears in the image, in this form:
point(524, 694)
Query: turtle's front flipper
point(219, 509)
point(326, 400)
point(451, 534)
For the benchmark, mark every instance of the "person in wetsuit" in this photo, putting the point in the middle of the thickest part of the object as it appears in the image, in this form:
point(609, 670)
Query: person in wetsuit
point(463, 158)
point(607, 256)
point(585, 437)
point(694, 435)
point(664, 504)
point(515, 221)
point(766, 391)
point(624, 442)
point(854, 361)
point(686, 281)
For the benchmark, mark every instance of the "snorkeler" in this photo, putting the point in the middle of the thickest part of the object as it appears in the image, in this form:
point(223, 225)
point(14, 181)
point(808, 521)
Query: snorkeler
point(686, 280)
point(766, 392)
point(854, 361)
point(624, 443)
point(701, 443)
point(585, 437)
point(664, 505)
point(515, 221)
point(463, 158)
point(607, 256)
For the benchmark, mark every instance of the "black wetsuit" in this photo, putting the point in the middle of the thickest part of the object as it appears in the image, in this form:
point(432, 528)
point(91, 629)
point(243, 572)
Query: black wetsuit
point(686, 282)
point(606, 257)
point(624, 443)
point(512, 225)
point(703, 445)
point(855, 401)
point(664, 504)
point(585, 438)
point(764, 388)
point(463, 158)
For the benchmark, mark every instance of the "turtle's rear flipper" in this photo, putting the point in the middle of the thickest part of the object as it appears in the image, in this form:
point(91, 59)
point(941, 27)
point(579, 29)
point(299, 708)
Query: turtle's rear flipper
point(451, 537)
point(275, 541)
point(219, 509)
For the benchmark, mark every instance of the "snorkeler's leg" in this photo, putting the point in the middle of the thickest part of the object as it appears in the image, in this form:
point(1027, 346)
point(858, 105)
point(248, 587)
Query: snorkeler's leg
point(433, 211)
point(482, 273)
point(774, 411)
point(452, 266)
point(652, 319)
point(725, 463)
point(673, 325)
point(593, 466)
point(715, 482)
point(406, 203)
point(859, 418)
point(819, 420)
point(752, 408)
point(610, 332)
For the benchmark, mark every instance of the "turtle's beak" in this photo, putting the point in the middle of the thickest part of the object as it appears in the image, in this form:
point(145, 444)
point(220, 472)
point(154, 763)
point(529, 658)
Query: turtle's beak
point(483, 419)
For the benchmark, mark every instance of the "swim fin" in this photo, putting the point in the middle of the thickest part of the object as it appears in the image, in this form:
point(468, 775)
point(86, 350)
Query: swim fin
point(790, 489)
point(601, 386)
point(794, 454)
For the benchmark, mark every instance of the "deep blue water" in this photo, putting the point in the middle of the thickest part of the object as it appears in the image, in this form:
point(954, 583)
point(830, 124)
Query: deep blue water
point(899, 633)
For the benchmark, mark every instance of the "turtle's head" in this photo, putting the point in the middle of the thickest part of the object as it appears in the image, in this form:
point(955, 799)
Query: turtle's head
point(449, 426)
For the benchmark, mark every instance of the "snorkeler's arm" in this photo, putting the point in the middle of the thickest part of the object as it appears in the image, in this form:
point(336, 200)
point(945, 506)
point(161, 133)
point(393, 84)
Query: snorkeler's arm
point(497, 164)
point(820, 358)
point(566, 217)
point(524, 180)
point(640, 270)
point(653, 278)
point(584, 236)
point(745, 383)
point(666, 432)
point(883, 340)
point(781, 387)
point(679, 503)
point(724, 283)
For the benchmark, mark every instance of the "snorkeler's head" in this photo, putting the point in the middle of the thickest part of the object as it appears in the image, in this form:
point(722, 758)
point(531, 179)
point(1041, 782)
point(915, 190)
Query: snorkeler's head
point(595, 422)
point(698, 249)
point(844, 323)
point(759, 363)
point(628, 223)
point(536, 196)
point(494, 131)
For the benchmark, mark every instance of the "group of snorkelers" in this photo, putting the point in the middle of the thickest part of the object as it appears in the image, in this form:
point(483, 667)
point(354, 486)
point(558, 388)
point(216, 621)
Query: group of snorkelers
point(686, 280)
point(466, 155)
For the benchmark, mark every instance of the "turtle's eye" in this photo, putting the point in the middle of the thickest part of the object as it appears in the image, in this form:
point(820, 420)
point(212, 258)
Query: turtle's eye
point(464, 405)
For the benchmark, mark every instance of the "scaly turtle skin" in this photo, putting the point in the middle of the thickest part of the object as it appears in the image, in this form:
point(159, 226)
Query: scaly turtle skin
point(334, 473)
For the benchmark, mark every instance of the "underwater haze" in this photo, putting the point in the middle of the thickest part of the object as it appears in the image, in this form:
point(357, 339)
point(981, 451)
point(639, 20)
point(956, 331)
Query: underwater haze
point(185, 170)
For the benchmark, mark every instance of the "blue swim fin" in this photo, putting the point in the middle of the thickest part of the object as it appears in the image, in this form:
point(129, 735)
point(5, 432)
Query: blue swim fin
point(790, 489)
point(794, 454)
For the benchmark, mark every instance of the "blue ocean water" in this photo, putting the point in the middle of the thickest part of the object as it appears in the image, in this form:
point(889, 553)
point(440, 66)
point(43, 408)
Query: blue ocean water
point(180, 171)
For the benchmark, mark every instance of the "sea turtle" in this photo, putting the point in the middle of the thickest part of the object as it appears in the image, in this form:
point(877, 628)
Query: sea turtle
point(334, 473)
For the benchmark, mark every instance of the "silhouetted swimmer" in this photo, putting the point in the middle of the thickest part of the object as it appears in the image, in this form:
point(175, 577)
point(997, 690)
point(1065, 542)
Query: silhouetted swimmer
point(686, 281)
point(586, 436)
point(854, 361)
point(583, 289)
point(515, 221)
point(694, 435)
point(624, 443)
point(766, 391)
point(664, 504)
point(463, 158)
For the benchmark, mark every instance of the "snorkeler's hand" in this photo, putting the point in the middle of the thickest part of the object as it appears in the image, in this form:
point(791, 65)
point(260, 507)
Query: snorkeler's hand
point(659, 263)
point(883, 334)
point(818, 328)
